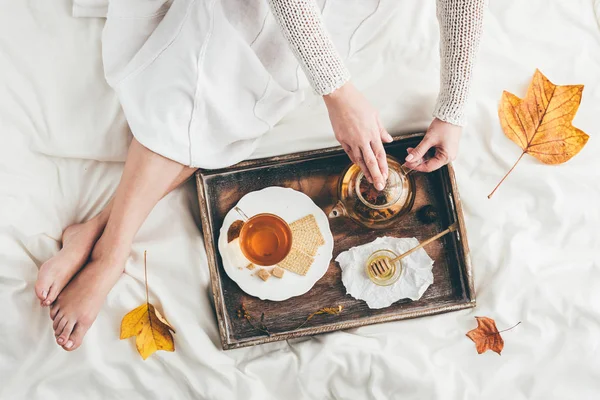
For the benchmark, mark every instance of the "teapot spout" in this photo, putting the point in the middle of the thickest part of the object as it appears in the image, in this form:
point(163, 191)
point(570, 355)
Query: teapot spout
point(338, 211)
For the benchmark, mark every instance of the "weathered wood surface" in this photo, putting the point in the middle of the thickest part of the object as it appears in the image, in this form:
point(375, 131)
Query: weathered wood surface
point(316, 174)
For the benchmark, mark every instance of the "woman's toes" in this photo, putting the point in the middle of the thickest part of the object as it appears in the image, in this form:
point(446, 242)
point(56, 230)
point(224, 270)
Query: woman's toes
point(54, 308)
point(59, 318)
point(76, 337)
point(41, 293)
point(54, 274)
point(60, 326)
point(52, 295)
point(45, 288)
point(63, 339)
point(42, 287)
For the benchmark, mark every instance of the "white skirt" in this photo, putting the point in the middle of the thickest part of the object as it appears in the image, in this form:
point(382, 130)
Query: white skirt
point(200, 81)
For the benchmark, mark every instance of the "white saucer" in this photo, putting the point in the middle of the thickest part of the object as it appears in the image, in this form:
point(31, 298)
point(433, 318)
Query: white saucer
point(290, 205)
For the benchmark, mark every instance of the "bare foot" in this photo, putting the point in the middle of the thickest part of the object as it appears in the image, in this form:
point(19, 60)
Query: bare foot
point(78, 305)
point(77, 243)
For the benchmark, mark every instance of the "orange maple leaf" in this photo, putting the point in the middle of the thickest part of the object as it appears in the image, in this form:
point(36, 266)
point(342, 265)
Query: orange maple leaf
point(486, 336)
point(541, 122)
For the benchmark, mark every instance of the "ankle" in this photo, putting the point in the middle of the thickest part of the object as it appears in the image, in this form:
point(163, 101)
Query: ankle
point(111, 250)
point(101, 219)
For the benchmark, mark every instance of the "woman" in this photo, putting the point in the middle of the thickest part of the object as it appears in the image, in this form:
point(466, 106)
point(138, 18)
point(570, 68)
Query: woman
point(200, 82)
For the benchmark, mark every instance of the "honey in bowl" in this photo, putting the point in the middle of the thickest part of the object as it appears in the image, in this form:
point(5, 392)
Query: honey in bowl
point(390, 276)
point(265, 239)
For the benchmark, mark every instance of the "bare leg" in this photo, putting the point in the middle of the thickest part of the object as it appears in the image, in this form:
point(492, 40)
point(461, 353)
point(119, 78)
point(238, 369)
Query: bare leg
point(78, 240)
point(147, 177)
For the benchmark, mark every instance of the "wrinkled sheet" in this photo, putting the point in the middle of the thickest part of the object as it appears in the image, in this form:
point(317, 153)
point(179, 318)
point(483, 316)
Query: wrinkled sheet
point(534, 246)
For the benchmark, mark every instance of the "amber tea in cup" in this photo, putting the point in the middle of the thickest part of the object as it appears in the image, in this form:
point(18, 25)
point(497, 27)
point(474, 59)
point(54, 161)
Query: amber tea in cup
point(265, 239)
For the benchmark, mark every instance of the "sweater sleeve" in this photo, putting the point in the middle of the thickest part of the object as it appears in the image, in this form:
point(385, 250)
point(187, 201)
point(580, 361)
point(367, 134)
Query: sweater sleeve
point(302, 26)
point(461, 26)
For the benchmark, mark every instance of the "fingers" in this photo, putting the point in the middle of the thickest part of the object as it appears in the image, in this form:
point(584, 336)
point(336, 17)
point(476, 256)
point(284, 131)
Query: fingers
point(372, 165)
point(348, 151)
point(379, 151)
point(369, 154)
point(432, 164)
point(412, 165)
point(419, 152)
point(386, 137)
point(358, 159)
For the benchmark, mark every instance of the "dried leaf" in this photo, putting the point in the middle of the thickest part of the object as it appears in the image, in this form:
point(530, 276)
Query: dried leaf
point(486, 336)
point(541, 122)
point(151, 330)
point(164, 320)
point(242, 312)
point(326, 310)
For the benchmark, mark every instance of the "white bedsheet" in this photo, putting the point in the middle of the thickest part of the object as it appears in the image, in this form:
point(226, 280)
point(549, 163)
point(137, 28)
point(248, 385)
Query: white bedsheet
point(534, 245)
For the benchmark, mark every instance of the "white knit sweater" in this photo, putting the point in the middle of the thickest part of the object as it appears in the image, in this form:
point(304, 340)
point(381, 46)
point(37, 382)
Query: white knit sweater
point(461, 24)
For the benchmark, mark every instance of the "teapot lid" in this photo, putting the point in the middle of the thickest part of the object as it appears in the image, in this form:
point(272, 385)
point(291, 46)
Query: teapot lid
point(373, 198)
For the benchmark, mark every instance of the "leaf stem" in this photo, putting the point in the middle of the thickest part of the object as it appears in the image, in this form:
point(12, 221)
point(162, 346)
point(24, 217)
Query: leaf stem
point(306, 320)
point(505, 176)
point(146, 277)
point(504, 330)
point(512, 327)
point(326, 310)
point(258, 328)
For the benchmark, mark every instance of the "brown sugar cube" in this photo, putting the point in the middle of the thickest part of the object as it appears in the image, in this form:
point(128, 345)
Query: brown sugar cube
point(250, 266)
point(278, 272)
point(306, 235)
point(263, 274)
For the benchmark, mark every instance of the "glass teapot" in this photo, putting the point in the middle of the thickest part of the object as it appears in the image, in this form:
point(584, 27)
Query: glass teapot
point(360, 201)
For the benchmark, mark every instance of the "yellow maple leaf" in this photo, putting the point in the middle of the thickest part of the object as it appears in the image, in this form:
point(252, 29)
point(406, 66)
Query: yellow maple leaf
point(151, 330)
point(541, 122)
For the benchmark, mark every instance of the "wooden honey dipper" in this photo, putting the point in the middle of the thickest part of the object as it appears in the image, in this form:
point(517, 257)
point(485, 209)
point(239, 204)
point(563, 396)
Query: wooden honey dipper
point(383, 265)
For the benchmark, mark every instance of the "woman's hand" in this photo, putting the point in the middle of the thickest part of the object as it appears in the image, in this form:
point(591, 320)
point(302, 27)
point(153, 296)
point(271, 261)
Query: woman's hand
point(357, 127)
point(441, 136)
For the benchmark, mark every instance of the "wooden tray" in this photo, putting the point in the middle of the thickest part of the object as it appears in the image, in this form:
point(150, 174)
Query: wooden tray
point(316, 173)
